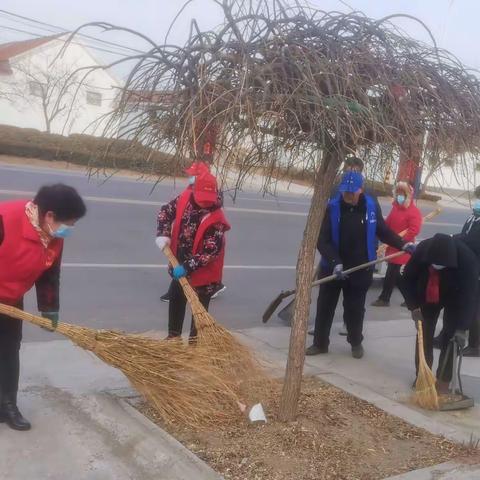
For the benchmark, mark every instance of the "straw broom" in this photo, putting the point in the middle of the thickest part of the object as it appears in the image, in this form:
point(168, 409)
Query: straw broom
point(425, 387)
point(234, 358)
point(184, 384)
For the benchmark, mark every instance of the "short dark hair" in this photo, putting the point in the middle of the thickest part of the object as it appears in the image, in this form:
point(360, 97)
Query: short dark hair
point(63, 200)
point(353, 162)
point(477, 192)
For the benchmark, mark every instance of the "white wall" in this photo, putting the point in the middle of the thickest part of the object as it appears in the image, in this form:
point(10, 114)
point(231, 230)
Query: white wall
point(24, 110)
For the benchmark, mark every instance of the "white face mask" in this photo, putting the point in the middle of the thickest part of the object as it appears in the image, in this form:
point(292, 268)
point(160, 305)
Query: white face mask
point(438, 267)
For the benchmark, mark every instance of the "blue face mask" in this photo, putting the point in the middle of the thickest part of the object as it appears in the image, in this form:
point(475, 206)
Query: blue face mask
point(191, 180)
point(401, 199)
point(63, 231)
point(476, 207)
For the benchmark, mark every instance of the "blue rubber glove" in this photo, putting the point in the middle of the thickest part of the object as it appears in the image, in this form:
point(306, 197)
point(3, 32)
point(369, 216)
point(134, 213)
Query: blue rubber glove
point(53, 317)
point(409, 247)
point(178, 272)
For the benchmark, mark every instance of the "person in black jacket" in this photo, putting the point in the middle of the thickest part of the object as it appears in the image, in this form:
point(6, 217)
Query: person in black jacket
point(348, 237)
point(470, 235)
point(441, 274)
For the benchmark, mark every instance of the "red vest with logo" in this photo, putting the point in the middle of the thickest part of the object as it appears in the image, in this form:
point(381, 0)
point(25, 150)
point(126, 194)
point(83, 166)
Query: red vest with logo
point(23, 258)
point(213, 272)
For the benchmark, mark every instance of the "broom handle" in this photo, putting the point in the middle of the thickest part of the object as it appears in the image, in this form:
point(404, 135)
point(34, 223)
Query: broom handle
point(426, 218)
point(421, 350)
point(357, 268)
point(21, 315)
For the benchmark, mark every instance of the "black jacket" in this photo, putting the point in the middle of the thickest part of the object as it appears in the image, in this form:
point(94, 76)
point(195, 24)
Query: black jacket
point(471, 234)
point(458, 282)
point(353, 243)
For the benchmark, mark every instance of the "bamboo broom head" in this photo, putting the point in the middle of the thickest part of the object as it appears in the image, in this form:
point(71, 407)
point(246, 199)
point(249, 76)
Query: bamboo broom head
point(186, 385)
point(426, 395)
point(232, 356)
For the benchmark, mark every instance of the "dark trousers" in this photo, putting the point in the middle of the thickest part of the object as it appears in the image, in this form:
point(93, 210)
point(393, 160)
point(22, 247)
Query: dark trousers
point(430, 317)
point(354, 290)
point(474, 331)
point(390, 281)
point(10, 340)
point(176, 310)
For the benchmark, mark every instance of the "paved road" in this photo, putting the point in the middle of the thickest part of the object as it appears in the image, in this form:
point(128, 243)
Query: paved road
point(114, 274)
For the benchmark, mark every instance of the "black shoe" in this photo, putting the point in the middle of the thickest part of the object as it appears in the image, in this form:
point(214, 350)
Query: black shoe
point(165, 297)
point(221, 289)
point(311, 332)
point(471, 352)
point(357, 351)
point(13, 417)
point(314, 350)
point(380, 303)
point(437, 342)
point(403, 304)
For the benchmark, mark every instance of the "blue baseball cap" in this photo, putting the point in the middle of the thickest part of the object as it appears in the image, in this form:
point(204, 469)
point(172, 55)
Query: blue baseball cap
point(351, 182)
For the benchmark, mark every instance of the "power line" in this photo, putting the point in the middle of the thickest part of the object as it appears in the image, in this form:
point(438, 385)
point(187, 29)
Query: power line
point(76, 43)
point(49, 30)
point(65, 30)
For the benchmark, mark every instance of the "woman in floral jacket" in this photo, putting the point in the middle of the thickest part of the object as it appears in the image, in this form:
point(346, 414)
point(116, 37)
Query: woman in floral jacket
point(194, 225)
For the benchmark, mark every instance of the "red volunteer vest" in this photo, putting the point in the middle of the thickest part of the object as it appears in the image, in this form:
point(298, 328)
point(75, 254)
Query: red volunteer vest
point(23, 258)
point(213, 272)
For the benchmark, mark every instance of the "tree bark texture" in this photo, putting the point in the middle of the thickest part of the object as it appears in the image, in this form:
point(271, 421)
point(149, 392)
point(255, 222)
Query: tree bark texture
point(305, 266)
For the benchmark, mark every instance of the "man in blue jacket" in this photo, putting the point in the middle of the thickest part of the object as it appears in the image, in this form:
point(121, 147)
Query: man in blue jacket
point(348, 237)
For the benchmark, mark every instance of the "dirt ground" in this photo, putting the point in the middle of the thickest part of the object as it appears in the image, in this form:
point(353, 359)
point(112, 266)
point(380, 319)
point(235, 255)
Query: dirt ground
point(336, 436)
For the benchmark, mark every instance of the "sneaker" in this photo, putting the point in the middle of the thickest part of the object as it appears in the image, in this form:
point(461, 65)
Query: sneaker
point(311, 332)
point(343, 330)
point(221, 289)
point(357, 352)
point(403, 304)
point(380, 303)
point(471, 352)
point(165, 297)
point(314, 350)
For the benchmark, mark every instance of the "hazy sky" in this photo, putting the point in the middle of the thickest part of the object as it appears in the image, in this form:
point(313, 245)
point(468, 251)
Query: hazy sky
point(454, 23)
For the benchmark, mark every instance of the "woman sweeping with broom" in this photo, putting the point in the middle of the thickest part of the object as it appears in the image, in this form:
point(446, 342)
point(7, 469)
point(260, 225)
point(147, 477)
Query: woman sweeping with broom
point(194, 225)
point(442, 274)
point(31, 244)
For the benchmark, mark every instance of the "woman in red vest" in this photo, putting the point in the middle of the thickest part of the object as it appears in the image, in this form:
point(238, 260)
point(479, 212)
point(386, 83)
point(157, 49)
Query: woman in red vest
point(404, 217)
point(31, 244)
point(194, 225)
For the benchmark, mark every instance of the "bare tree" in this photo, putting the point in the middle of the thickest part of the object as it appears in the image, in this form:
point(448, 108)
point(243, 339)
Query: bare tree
point(294, 87)
point(51, 90)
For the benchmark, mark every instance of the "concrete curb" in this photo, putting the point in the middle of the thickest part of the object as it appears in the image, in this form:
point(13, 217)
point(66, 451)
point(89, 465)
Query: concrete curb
point(443, 471)
point(173, 443)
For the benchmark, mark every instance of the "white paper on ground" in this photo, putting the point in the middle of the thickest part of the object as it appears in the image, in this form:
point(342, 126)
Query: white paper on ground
point(257, 414)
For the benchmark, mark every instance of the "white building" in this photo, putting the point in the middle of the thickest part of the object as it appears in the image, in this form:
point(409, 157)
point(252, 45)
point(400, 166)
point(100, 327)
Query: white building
point(40, 89)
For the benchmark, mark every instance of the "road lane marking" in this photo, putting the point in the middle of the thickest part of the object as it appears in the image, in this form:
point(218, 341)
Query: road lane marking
point(156, 265)
point(127, 201)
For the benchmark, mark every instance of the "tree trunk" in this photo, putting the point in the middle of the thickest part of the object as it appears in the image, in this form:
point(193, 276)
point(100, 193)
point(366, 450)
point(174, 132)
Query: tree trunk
point(427, 179)
point(305, 264)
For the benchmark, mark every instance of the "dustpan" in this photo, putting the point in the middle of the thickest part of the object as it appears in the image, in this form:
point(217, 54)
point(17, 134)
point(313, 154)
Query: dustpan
point(455, 399)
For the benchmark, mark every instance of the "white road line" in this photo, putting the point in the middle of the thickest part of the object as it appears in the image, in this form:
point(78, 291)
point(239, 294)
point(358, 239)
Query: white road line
point(156, 265)
point(127, 201)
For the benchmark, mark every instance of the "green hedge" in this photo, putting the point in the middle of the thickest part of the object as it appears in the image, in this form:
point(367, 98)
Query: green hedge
point(94, 152)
